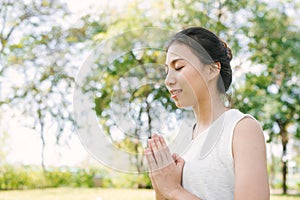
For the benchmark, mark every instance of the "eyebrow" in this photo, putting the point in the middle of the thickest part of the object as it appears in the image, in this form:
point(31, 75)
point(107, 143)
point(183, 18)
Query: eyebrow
point(174, 61)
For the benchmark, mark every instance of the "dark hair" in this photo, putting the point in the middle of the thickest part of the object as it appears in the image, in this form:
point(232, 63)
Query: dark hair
point(209, 48)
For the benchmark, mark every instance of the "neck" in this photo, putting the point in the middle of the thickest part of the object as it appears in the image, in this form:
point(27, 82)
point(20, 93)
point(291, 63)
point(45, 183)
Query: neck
point(207, 111)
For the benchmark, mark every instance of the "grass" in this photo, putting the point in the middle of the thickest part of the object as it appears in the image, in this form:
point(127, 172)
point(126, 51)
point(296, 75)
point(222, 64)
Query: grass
point(94, 194)
point(285, 197)
point(78, 194)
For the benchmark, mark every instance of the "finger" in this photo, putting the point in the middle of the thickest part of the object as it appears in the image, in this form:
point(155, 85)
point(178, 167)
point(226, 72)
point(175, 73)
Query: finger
point(162, 140)
point(174, 156)
point(150, 159)
point(158, 144)
point(152, 145)
point(156, 151)
point(165, 156)
point(163, 150)
point(178, 160)
point(149, 140)
point(167, 152)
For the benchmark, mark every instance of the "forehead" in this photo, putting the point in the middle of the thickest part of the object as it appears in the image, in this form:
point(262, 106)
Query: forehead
point(180, 51)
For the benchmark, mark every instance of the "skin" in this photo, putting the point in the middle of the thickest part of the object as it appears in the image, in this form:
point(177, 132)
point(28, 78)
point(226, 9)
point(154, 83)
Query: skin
point(198, 89)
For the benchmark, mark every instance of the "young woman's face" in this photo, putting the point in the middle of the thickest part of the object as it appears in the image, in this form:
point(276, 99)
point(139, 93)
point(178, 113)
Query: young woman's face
point(186, 76)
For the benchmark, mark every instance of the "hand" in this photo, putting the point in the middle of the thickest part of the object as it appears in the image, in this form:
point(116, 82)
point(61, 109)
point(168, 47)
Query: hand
point(165, 169)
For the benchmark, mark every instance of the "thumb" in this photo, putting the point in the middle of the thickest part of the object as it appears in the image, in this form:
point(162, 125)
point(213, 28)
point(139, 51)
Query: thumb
point(178, 159)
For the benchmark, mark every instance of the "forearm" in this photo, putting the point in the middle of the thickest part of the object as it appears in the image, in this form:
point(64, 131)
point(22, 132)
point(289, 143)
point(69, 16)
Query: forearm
point(159, 196)
point(183, 194)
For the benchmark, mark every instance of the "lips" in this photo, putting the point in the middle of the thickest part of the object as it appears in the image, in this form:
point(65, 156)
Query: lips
point(175, 92)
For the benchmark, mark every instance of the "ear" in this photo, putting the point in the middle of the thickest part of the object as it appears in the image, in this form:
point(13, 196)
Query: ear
point(214, 70)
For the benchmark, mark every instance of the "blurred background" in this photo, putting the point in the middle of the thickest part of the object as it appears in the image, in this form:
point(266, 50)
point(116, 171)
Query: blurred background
point(44, 43)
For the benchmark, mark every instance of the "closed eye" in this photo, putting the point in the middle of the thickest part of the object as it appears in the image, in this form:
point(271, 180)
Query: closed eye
point(179, 68)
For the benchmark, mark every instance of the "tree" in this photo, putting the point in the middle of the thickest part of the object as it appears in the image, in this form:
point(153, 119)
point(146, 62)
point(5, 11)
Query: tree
point(36, 69)
point(272, 95)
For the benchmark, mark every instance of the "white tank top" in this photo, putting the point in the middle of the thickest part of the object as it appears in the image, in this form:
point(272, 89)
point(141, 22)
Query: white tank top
point(209, 170)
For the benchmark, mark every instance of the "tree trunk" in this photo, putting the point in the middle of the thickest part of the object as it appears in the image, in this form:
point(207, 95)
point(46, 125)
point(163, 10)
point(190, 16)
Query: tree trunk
point(284, 160)
point(149, 118)
point(284, 168)
point(43, 152)
point(41, 123)
point(139, 159)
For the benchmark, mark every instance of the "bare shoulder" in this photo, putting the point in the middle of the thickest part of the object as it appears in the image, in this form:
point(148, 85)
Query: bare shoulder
point(249, 154)
point(248, 129)
point(248, 141)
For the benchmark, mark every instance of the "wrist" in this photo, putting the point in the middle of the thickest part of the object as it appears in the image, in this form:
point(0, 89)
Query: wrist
point(176, 193)
point(159, 196)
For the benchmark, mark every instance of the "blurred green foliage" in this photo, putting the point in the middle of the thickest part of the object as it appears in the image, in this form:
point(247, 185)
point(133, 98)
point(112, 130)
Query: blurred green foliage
point(30, 177)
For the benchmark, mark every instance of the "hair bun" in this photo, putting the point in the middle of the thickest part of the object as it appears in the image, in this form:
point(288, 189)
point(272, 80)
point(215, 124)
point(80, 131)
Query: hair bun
point(227, 50)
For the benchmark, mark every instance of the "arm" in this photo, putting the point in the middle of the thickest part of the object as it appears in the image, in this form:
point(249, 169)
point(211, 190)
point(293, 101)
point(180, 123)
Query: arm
point(249, 152)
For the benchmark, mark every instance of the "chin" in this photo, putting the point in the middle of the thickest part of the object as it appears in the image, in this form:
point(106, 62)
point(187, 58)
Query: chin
point(178, 104)
point(181, 105)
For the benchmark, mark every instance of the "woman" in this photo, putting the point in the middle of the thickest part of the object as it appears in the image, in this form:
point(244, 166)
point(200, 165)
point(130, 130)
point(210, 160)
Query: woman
point(226, 158)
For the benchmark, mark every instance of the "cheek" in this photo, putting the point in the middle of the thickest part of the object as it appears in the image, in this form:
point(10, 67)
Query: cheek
point(197, 82)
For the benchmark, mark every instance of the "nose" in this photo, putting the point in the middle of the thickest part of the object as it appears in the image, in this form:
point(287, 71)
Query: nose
point(170, 78)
